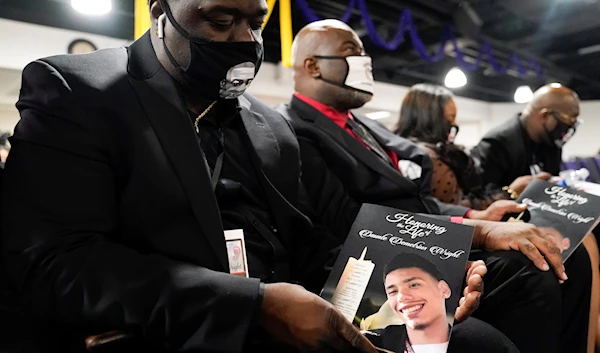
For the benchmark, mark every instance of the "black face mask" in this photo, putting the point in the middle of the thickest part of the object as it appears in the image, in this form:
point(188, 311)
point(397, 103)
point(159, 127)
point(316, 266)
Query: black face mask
point(561, 134)
point(216, 69)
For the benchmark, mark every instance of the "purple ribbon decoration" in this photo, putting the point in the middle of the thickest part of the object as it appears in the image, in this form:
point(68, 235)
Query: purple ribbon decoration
point(406, 24)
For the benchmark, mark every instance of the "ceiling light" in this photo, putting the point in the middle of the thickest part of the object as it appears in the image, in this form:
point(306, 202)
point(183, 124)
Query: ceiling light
point(455, 78)
point(523, 94)
point(589, 50)
point(92, 7)
point(379, 115)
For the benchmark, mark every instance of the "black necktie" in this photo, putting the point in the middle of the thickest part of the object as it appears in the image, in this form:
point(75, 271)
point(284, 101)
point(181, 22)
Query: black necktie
point(212, 141)
point(368, 139)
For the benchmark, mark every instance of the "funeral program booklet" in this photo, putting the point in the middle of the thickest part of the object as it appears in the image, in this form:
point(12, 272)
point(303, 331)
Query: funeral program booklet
point(399, 277)
point(563, 213)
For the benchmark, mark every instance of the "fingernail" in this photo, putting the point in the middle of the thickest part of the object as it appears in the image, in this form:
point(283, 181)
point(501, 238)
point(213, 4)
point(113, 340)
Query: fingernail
point(564, 276)
point(545, 266)
point(560, 281)
point(522, 205)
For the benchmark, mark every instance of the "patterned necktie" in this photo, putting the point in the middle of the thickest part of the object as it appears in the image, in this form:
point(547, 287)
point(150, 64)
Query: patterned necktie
point(368, 139)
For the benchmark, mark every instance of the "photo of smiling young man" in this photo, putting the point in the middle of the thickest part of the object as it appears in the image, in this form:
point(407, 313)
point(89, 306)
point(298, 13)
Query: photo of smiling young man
point(417, 294)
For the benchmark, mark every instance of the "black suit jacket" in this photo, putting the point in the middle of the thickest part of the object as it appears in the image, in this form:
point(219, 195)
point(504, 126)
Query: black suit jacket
point(505, 153)
point(110, 218)
point(335, 163)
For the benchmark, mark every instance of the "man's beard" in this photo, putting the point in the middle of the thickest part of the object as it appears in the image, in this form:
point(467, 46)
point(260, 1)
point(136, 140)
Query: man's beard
point(420, 327)
point(349, 98)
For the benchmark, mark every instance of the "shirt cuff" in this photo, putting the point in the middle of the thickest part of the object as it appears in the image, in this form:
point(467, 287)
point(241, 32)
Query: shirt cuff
point(457, 220)
point(259, 297)
point(255, 335)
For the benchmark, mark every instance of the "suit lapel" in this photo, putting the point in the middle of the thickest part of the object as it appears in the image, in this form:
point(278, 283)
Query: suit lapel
point(266, 156)
point(261, 137)
point(404, 149)
point(170, 121)
point(349, 143)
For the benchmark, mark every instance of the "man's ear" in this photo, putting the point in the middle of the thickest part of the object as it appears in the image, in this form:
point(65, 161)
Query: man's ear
point(311, 66)
point(155, 11)
point(445, 289)
point(545, 114)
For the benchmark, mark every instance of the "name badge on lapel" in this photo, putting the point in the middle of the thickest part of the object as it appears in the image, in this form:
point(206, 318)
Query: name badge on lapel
point(410, 169)
point(236, 252)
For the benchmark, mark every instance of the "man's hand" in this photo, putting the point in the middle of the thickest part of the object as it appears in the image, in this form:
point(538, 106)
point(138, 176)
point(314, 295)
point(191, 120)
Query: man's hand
point(523, 237)
point(473, 291)
point(497, 210)
point(297, 317)
point(521, 182)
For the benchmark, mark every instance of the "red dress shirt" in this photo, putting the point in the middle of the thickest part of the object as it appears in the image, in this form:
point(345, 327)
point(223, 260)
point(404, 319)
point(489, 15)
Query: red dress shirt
point(340, 119)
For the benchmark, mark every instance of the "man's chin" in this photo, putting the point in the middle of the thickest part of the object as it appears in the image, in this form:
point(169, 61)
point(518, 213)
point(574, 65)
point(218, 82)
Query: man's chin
point(359, 99)
point(419, 327)
point(414, 325)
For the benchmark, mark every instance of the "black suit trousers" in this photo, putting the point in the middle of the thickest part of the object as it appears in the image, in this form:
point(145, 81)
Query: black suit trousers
point(529, 306)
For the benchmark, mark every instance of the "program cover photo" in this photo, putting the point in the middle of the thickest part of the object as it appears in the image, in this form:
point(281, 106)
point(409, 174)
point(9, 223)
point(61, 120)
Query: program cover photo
point(399, 277)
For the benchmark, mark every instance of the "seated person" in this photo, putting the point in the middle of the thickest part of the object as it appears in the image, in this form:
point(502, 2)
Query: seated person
point(119, 223)
point(428, 117)
point(159, 153)
point(348, 159)
point(530, 143)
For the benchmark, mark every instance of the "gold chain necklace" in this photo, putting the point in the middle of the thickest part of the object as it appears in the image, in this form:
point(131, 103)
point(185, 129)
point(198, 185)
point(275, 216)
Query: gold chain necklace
point(202, 115)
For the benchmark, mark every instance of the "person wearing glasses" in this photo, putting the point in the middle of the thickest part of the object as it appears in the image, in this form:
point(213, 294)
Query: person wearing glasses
point(428, 118)
point(530, 145)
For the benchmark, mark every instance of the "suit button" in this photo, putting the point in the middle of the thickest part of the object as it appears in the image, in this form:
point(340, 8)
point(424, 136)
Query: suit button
point(255, 223)
point(275, 230)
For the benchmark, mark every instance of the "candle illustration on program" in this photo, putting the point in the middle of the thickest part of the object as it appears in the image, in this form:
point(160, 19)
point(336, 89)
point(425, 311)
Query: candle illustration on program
point(352, 285)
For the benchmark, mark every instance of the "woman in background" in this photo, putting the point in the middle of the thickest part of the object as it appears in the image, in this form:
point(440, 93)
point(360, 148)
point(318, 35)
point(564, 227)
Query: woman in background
point(428, 117)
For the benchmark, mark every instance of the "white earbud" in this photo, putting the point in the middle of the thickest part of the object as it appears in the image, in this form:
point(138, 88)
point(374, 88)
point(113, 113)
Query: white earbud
point(161, 26)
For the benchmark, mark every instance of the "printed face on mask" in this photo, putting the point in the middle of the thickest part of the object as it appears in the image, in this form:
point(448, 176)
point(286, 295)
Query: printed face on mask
point(562, 132)
point(452, 132)
point(238, 79)
point(450, 113)
point(344, 68)
point(222, 65)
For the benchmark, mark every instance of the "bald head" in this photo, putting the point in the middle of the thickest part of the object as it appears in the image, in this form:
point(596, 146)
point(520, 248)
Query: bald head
point(552, 111)
point(322, 55)
point(555, 97)
point(315, 38)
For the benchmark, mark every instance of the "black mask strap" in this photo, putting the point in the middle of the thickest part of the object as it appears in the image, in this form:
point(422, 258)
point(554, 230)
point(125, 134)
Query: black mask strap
point(175, 64)
point(331, 82)
point(182, 32)
point(331, 57)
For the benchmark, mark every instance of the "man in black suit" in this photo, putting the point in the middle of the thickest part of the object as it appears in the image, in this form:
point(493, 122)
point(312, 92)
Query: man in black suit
point(127, 166)
point(352, 159)
point(530, 144)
